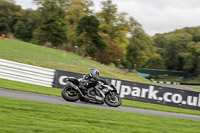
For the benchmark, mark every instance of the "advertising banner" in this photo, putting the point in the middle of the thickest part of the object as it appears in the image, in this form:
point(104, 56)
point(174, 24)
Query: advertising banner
point(142, 92)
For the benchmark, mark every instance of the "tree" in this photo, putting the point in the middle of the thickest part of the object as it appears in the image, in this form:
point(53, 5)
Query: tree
point(179, 49)
point(4, 28)
point(53, 28)
point(192, 59)
point(140, 49)
point(7, 19)
point(155, 62)
point(31, 20)
point(112, 53)
point(194, 31)
point(109, 12)
point(75, 10)
point(107, 18)
point(115, 25)
point(175, 50)
point(88, 28)
point(20, 30)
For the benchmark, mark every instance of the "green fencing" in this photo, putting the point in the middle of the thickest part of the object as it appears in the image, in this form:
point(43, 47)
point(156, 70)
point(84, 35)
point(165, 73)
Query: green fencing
point(163, 72)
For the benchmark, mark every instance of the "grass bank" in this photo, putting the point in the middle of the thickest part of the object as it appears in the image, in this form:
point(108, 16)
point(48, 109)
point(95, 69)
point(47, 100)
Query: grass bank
point(56, 59)
point(27, 116)
point(197, 88)
point(177, 79)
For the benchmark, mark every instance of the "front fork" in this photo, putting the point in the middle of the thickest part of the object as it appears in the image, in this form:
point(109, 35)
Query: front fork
point(113, 95)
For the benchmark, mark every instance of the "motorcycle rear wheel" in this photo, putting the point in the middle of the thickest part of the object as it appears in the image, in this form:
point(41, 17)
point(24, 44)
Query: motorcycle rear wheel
point(70, 94)
point(113, 100)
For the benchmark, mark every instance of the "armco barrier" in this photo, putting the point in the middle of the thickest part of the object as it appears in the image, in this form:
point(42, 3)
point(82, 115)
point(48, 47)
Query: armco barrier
point(26, 73)
point(143, 92)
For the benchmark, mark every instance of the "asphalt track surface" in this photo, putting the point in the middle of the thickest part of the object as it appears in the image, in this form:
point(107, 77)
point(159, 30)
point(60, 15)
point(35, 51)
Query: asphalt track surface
point(59, 100)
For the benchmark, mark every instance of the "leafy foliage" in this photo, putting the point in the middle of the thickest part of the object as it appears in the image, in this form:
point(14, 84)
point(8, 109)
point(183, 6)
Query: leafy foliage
point(31, 20)
point(139, 49)
point(155, 61)
point(52, 28)
point(115, 27)
point(20, 30)
point(69, 23)
point(192, 58)
point(76, 9)
point(111, 54)
point(7, 16)
point(88, 30)
point(179, 49)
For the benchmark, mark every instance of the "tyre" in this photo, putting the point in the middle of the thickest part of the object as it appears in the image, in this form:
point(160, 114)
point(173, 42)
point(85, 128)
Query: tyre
point(113, 100)
point(70, 94)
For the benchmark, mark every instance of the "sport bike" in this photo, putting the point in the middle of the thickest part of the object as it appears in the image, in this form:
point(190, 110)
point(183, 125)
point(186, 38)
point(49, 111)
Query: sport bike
point(96, 92)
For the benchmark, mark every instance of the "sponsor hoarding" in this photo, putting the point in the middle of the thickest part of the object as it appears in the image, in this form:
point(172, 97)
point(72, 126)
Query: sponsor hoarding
point(142, 92)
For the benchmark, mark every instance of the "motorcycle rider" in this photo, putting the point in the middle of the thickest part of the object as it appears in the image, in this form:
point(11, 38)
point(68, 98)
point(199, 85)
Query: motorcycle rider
point(91, 88)
point(90, 81)
point(92, 77)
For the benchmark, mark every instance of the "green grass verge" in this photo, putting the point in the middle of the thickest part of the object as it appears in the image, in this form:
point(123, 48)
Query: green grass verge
point(177, 79)
point(7, 84)
point(194, 80)
point(26, 116)
point(197, 88)
point(169, 79)
point(55, 59)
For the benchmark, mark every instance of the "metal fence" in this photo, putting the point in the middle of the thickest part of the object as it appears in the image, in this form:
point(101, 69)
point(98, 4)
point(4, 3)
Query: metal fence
point(26, 73)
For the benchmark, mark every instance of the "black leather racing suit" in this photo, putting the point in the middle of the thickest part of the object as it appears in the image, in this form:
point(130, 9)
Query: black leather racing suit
point(89, 79)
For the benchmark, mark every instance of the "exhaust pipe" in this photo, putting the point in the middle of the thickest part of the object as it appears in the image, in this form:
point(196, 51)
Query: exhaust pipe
point(75, 87)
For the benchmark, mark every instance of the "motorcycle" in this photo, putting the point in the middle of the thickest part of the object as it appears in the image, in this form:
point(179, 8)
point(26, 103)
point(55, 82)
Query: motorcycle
point(96, 92)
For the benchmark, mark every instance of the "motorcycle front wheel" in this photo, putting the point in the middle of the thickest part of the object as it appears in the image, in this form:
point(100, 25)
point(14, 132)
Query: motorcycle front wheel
point(113, 100)
point(70, 94)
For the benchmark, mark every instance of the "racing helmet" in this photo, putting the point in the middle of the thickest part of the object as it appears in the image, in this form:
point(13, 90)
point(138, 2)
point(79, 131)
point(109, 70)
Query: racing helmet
point(94, 73)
